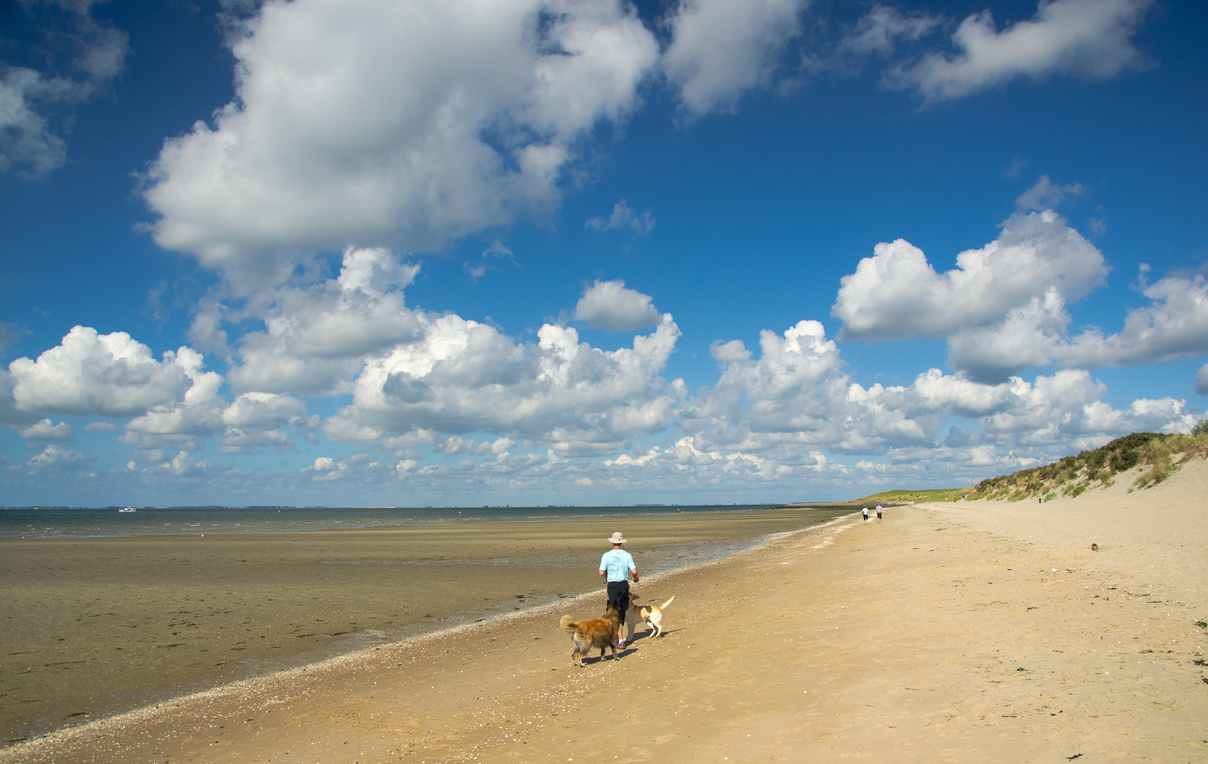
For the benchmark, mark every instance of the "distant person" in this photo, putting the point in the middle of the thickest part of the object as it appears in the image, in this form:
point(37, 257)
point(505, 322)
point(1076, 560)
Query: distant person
point(866, 514)
point(617, 565)
point(878, 513)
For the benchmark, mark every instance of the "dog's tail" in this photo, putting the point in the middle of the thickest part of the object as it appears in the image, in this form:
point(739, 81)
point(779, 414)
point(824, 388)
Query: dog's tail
point(567, 623)
point(665, 604)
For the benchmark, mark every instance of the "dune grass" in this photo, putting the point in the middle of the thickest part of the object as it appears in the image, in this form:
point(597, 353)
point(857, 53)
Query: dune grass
point(908, 496)
point(1159, 456)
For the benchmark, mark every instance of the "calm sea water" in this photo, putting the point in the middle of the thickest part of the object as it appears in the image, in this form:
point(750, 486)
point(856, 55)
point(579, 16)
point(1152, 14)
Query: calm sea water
point(97, 523)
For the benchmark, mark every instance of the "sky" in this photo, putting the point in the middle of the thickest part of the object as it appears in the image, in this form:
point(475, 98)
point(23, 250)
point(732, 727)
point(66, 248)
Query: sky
point(487, 252)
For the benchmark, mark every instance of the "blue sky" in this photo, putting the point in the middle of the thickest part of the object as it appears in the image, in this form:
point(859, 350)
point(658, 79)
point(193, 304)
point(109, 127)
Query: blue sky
point(585, 251)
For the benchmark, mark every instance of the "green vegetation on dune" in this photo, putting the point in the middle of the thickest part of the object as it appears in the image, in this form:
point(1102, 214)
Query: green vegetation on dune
point(1159, 456)
point(906, 496)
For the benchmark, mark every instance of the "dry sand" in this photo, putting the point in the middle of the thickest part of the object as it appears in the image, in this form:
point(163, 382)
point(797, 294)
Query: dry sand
point(967, 632)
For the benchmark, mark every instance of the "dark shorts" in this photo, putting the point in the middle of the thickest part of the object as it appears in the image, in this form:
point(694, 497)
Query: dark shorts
point(618, 592)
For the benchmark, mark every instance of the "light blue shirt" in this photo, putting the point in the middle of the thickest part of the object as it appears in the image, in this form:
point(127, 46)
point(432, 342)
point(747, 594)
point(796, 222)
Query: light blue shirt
point(617, 563)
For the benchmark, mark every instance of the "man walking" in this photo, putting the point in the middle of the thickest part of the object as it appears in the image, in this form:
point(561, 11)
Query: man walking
point(617, 564)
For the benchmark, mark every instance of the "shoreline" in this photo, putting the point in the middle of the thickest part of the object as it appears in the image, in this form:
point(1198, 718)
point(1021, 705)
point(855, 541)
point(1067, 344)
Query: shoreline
point(104, 626)
point(350, 660)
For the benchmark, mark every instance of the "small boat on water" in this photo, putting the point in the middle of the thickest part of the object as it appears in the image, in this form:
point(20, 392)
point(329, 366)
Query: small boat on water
point(128, 509)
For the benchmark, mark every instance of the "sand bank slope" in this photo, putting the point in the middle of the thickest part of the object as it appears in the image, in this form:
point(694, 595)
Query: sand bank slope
point(946, 633)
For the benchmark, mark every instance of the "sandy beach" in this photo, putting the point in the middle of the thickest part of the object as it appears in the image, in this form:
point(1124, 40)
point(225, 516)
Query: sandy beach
point(949, 632)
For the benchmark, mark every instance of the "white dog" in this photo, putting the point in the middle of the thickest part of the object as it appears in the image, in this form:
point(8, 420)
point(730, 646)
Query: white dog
point(651, 614)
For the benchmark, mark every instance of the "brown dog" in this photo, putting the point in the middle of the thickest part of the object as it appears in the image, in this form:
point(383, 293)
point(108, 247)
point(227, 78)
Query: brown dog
point(592, 633)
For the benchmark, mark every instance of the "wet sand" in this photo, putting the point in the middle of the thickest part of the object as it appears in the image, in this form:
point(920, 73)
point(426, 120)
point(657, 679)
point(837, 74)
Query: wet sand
point(94, 627)
point(968, 632)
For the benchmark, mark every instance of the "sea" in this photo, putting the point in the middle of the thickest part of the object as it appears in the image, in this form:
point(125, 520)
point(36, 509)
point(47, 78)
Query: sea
point(70, 522)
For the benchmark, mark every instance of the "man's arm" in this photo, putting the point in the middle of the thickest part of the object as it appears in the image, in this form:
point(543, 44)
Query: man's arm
point(634, 572)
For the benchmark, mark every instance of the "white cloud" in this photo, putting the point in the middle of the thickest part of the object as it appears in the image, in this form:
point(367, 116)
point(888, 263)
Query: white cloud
point(326, 470)
point(46, 430)
point(186, 423)
point(34, 105)
point(1087, 38)
point(878, 31)
point(462, 377)
point(1067, 410)
point(1046, 195)
point(1201, 380)
point(721, 49)
point(685, 464)
point(1003, 308)
point(896, 294)
point(256, 419)
point(797, 397)
point(623, 217)
point(54, 458)
point(9, 413)
point(393, 125)
point(108, 374)
point(1025, 337)
point(497, 251)
point(316, 339)
point(612, 306)
point(26, 139)
point(263, 411)
point(788, 394)
point(1174, 325)
point(184, 465)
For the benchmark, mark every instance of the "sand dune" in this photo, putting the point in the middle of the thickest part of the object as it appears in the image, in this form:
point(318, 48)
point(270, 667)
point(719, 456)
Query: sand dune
point(962, 632)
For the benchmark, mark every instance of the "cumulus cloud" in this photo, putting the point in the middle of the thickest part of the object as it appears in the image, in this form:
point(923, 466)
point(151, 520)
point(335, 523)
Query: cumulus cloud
point(623, 217)
point(256, 419)
point(686, 463)
point(1004, 307)
point(798, 394)
point(390, 124)
point(612, 306)
point(462, 377)
point(35, 105)
point(1174, 325)
point(1026, 337)
point(1067, 408)
point(55, 458)
point(1086, 38)
point(184, 423)
point(897, 294)
point(721, 49)
point(317, 338)
point(788, 393)
point(46, 430)
point(101, 374)
point(795, 397)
